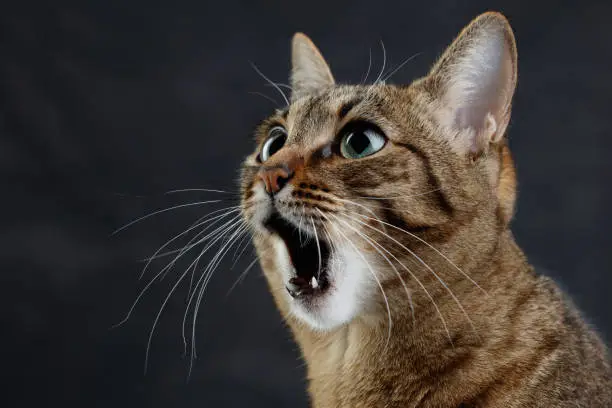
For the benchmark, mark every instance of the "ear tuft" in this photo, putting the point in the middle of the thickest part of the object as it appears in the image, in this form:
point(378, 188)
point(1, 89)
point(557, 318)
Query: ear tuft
point(310, 73)
point(474, 81)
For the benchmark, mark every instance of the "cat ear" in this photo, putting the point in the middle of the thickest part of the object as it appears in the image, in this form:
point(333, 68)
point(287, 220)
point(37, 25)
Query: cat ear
point(309, 73)
point(473, 83)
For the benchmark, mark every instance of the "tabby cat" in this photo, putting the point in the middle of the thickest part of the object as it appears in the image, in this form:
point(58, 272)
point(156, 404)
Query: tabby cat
point(380, 214)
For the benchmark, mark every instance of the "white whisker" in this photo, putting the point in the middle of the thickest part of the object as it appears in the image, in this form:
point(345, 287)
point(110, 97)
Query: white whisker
point(192, 296)
point(365, 78)
point(400, 66)
point(428, 268)
point(209, 272)
point(371, 271)
point(435, 305)
point(162, 211)
point(400, 196)
point(242, 276)
point(374, 245)
point(286, 86)
point(201, 221)
point(189, 245)
point(299, 229)
point(206, 190)
point(263, 95)
point(436, 250)
point(146, 288)
point(236, 258)
point(344, 200)
point(382, 70)
point(280, 91)
point(314, 228)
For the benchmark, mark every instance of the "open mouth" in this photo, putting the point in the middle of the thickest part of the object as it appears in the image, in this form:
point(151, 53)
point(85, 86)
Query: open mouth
point(308, 255)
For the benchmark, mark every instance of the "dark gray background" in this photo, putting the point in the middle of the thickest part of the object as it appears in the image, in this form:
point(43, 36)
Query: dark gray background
point(106, 105)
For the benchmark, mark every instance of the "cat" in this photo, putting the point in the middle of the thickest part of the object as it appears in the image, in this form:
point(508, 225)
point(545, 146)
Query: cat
point(380, 215)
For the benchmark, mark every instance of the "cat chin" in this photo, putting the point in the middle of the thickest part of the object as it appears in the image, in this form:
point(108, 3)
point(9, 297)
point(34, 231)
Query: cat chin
point(346, 298)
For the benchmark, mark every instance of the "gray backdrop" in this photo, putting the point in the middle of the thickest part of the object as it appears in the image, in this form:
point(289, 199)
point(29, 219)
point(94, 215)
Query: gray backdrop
point(107, 105)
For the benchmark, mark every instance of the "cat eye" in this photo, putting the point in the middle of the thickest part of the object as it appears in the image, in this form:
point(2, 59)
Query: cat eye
point(361, 141)
point(276, 140)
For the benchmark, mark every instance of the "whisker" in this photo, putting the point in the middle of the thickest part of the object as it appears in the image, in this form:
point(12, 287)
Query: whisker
point(412, 235)
point(201, 221)
point(314, 228)
point(189, 245)
point(209, 272)
point(159, 313)
point(382, 70)
point(300, 225)
point(144, 290)
point(165, 302)
point(428, 268)
point(371, 271)
point(216, 220)
point(280, 91)
point(191, 288)
point(197, 260)
point(435, 305)
point(237, 239)
point(235, 258)
point(436, 250)
point(371, 241)
point(242, 276)
point(202, 252)
point(344, 200)
point(365, 78)
point(206, 190)
point(162, 211)
point(400, 66)
point(263, 95)
point(400, 196)
point(286, 86)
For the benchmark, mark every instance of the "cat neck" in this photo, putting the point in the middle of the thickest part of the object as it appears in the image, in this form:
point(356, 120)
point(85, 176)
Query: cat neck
point(361, 363)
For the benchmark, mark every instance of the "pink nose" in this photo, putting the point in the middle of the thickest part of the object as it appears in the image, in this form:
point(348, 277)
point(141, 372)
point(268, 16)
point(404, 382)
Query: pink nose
point(280, 169)
point(275, 178)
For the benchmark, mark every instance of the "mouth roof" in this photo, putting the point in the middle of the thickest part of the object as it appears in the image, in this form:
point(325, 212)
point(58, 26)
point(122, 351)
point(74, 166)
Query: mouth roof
point(303, 251)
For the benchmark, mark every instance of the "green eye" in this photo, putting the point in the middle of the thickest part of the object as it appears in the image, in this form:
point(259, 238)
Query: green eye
point(276, 140)
point(360, 143)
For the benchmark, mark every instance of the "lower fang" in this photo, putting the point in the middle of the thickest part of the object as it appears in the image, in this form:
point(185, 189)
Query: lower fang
point(314, 283)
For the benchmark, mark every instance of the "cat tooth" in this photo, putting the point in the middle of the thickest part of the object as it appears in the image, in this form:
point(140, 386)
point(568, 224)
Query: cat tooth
point(314, 283)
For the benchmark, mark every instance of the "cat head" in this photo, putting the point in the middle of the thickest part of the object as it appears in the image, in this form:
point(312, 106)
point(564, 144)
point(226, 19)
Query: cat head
point(349, 181)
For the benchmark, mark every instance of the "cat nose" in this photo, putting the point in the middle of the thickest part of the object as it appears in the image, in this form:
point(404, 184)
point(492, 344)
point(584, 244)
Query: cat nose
point(275, 178)
point(277, 174)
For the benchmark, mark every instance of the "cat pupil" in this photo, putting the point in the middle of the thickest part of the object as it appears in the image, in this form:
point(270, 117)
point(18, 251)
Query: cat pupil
point(277, 144)
point(359, 142)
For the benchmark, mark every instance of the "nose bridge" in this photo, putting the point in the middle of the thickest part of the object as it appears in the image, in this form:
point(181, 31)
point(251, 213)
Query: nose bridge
point(289, 156)
point(280, 168)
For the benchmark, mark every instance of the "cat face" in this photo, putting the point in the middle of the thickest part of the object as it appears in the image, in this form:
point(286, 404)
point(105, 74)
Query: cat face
point(348, 182)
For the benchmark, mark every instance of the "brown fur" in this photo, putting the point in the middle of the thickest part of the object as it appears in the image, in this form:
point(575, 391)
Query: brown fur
point(518, 342)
